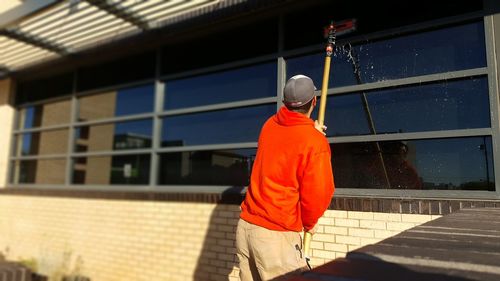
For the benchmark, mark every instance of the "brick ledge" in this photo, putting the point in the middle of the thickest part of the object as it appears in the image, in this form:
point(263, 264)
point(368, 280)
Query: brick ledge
point(339, 202)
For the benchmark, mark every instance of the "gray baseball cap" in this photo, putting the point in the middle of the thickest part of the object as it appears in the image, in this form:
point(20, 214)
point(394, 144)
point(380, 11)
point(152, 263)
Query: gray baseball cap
point(298, 91)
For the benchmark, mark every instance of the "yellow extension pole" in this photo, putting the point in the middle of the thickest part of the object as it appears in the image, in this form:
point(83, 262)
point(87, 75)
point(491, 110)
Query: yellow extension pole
point(321, 120)
point(332, 29)
point(324, 89)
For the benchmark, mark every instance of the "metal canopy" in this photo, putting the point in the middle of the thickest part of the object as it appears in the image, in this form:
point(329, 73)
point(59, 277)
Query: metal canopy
point(40, 30)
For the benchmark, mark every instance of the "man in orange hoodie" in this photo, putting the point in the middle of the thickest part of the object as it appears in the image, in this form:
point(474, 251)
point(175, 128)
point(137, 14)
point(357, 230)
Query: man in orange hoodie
point(290, 188)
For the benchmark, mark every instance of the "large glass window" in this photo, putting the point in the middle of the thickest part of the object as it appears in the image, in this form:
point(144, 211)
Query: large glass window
point(115, 103)
point(435, 91)
point(47, 114)
point(222, 126)
point(41, 143)
point(448, 105)
point(41, 171)
point(105, 170)
point(210, 167)
point(448, 164)
point(114, 136)
point(407, 56)
point(237, 84)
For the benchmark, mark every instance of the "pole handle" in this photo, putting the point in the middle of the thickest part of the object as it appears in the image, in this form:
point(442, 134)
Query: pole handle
point(307, 243)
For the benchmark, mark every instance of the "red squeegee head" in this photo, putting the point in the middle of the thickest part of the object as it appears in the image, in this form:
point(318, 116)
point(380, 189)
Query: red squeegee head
point(340, 27)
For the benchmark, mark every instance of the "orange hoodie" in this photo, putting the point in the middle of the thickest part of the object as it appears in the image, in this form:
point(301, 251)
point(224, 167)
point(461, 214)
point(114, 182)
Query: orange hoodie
point(292, 181)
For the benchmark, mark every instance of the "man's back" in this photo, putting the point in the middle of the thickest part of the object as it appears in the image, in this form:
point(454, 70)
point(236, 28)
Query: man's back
point(292, 163)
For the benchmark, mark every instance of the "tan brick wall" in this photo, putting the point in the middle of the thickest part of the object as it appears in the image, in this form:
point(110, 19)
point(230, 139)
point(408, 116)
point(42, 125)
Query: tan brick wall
point(343, 231)
point(6, 119)
point(110, 240)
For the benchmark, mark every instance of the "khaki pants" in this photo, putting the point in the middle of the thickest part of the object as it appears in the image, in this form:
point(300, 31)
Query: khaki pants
point(267, 254)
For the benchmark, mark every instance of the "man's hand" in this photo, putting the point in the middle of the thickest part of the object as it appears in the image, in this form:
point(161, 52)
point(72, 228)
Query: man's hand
point(320, 128)
point(313, 230)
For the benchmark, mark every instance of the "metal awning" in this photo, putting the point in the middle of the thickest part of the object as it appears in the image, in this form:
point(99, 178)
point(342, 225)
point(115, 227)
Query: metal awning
point(36, 31)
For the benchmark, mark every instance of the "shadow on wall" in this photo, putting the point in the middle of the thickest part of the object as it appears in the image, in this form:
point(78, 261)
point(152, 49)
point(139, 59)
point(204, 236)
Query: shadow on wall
point(361, 266)
point(218, 259)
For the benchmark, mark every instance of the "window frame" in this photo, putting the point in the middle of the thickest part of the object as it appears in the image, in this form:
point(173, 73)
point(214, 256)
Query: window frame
point(489, 71)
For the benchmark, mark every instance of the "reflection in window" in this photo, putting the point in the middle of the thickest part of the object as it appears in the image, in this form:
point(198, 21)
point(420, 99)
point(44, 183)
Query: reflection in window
point(223, 126)
point(48, 114)
point(449, 105)
point(117, 103)
point(114, 136)
point(412, 55)
point(104, 170)
point(42, 171)
point(212, 167)
point(450, 164)
point(240, 84)
point(41, 143)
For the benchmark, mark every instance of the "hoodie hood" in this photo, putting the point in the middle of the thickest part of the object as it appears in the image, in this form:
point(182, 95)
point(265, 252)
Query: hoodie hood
point(286, 117)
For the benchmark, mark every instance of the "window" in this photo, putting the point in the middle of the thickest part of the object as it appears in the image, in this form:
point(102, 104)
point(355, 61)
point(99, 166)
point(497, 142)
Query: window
point(119, 71)
point(404, 111)
point(114, 136)
point(407, 56)
point(106, 170)
point(222, 126)
point(41, 171)
point(357, 118)
point(42, 143)
point(116, 103)
point(207, 167)
point(44, 115)
point(445, 164)
point(258, 81)
point(448, 105)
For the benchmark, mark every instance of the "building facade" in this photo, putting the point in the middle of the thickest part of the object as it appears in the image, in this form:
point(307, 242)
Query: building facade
point(128, 161)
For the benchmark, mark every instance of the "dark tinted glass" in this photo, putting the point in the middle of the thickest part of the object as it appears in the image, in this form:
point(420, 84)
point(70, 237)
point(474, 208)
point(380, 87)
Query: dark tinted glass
point(240, 84)
point(212, 167)
point(42, 171)
point(40, 143)
point(103, 170)
point(223, 126)
point(114, 136)
point(47, 114)
point(123, 70)
point(303, 27)
point(40, 89)
point(450, 49)
point(117, 103)
point(451, 164)
point(451, 105)
point(228, 45)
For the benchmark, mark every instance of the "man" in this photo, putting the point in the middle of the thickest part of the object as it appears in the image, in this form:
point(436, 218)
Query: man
point(290, 188)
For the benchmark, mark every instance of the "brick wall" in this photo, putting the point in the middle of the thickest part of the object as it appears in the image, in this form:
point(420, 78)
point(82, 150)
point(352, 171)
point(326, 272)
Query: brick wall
point(109, 240)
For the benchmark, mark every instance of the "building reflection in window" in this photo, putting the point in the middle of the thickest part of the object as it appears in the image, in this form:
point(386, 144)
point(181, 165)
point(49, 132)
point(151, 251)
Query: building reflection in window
point(452, 164)
point(209, 167)
point(48, 114)
point(105, 170)
point(257, 81)
point(116, 103)
point(449, 105)
point(42, 143)
point(41, 171)
point(114, 136)
point(222, 126)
